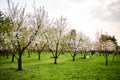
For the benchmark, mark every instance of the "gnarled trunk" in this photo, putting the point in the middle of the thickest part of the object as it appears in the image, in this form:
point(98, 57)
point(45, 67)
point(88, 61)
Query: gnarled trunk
point(20, 61)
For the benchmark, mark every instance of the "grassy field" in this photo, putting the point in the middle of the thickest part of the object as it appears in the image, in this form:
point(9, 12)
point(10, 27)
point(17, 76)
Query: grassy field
point(93, 68)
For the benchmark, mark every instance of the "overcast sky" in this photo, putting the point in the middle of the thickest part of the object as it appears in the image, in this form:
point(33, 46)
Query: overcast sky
point(87, 16)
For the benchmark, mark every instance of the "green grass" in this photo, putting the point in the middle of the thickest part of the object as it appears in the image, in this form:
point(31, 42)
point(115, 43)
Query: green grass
point(93, 68)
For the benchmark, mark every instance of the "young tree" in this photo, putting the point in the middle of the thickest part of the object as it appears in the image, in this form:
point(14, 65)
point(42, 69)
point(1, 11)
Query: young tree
point(97, 42)
point(74, 41)
point(2, 32)
point(103, 39)
point(107, 45)
point(5, 28)
point(54, 37)
point(115, 44)
point(41, 19)
point(40, 45)
point(23, 35)
point(73, 46)
point(86, 45)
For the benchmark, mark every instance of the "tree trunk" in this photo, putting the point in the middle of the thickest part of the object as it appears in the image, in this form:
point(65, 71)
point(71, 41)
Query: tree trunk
point(100, 54)
point(106, 55)
point(84, 55)
point(28, 53)
point(3, 53)
point(74, 57)
point(38, 55)
point(113, 57)
point(13, 55)
point(20, 61)
point(56, 53)
point(55, 60)
point(7, 55)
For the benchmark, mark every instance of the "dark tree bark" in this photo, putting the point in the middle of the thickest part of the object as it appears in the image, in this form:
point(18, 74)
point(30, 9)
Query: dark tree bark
point(113, 57)
point(20, 64)
point(100, 54)
point(40, 50)
point(74, 56)
point(7, 56)
point(56, 53)
point(20, 61)
point(115, 53)
point(84, 55)
point(39, 55)
point(106, 56)
point(13, 55)
point(55, 60)
point(28, 53)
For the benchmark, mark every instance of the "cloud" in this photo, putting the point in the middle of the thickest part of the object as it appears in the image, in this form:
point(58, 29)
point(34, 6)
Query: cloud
point(114, 10)
point(107, 12)
point(76, 1)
